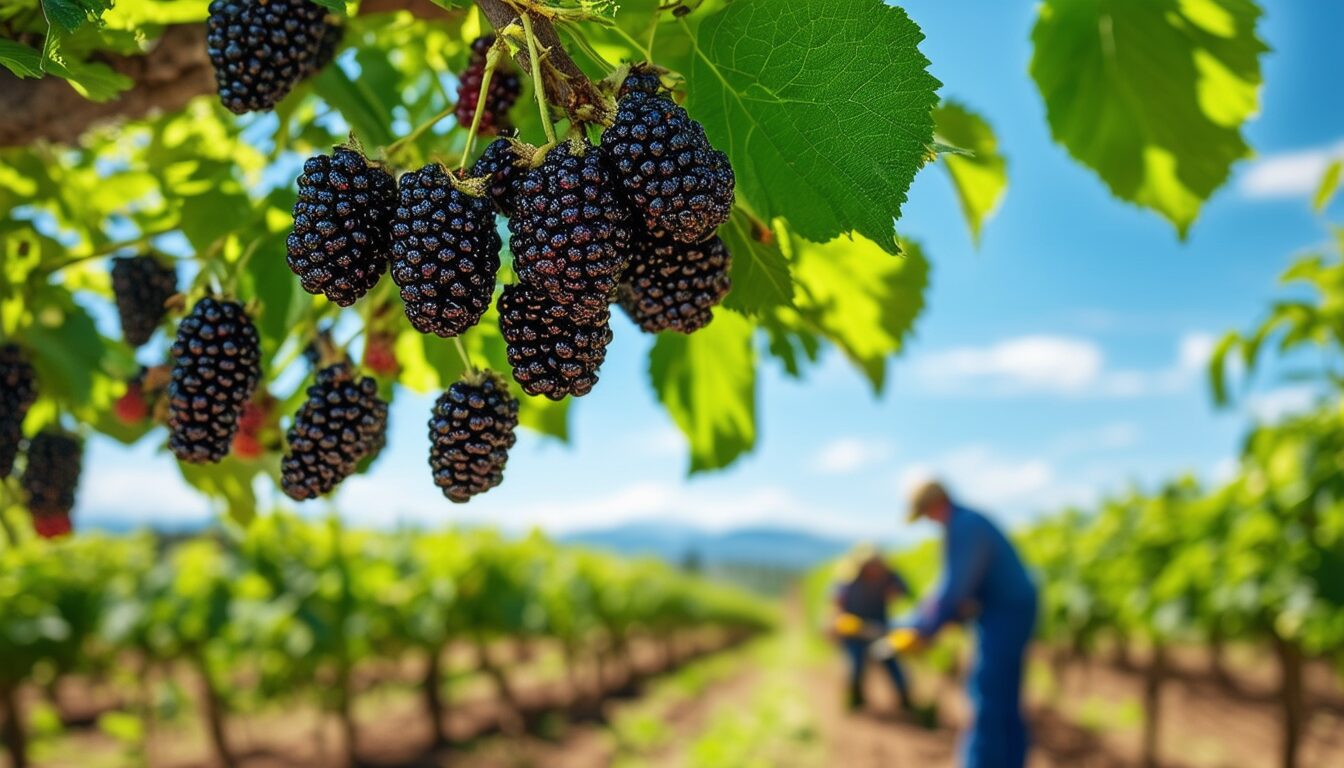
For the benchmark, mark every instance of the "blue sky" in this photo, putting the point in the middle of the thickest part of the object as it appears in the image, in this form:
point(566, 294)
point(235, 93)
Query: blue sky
point(1062, 359)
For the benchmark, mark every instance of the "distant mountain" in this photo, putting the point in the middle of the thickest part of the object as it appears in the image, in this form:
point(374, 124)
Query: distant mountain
point(756, 545)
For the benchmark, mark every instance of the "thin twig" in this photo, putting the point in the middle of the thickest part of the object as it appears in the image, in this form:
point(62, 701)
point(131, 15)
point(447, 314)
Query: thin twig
point(537, 85)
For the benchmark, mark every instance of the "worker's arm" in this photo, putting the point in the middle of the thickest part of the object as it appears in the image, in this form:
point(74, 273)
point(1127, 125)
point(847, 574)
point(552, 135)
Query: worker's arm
point(965, 558)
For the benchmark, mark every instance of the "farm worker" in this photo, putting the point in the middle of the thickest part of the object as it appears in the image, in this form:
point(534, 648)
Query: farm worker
point(983, 583)
point(862, 601)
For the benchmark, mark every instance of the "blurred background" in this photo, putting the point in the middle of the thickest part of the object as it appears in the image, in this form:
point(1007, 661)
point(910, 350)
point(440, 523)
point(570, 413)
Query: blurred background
point(1149, 403)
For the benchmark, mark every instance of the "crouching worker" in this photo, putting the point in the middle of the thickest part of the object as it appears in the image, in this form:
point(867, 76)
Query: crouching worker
point(862, 605)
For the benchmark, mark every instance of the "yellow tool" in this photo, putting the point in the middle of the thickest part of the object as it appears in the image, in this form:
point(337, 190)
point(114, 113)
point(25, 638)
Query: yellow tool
point(905, 640)
point(848, 625)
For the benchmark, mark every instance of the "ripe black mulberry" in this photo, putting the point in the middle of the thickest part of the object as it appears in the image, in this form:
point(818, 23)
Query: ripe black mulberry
point(471, 431)
point(570, 233)
point(340, 423)
point(553, 352)
point(141, 284)
point(676, 181)
point(216, 367)
point(445, 252)
point(342, 222)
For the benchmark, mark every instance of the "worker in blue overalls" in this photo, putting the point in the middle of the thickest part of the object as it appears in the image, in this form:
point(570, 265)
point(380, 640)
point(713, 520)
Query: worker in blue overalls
point(984, 583)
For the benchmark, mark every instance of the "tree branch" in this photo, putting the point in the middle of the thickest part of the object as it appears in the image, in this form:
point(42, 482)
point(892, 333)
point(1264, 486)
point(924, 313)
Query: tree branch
point(566, 85)
point(166, 77)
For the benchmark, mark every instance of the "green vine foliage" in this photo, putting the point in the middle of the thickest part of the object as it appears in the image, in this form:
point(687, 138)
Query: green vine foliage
point(826, 110)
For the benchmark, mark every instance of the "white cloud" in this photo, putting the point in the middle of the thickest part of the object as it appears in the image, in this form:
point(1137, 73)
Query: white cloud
point(1029, 363)
point(1014, 487)
point(148, 492)
point(1062, 365)
point(1113, 436)
point(847, 455)
point(1288, 174)
point(1275, 404)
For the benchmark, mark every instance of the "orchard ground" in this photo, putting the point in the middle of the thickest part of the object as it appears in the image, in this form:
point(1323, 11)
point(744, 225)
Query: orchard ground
point(773, 701)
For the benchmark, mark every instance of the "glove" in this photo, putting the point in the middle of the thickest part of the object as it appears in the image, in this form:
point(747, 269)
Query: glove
point(905, 640)
point(848, 625)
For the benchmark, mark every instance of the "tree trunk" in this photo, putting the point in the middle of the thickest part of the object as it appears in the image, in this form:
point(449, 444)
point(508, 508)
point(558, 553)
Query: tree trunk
point(510, 721)
point(15, 740)
point(1218, 660)
point(1152, 700)
point(214, 716)
point(346, 715)
point(1120, 657)
point(1293, 698)
point(433, 688)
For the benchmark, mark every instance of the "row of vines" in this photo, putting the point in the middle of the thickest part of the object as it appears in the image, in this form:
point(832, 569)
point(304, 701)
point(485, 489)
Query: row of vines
point(288, 610)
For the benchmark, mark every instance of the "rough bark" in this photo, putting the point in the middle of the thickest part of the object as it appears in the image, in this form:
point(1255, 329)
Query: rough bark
point(345, 713)
point(1152, 701)
point(433, 689)
point(175, 70)
point(214, 717)
point(11, 730)
point(1293, 699)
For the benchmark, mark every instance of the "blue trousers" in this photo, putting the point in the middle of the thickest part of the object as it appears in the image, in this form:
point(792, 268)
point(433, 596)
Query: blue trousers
point(857, 651)
point(998, 736)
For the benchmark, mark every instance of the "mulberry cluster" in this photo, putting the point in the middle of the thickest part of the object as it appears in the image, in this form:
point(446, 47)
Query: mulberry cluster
point(674, 286)
point(553, 351)
point(340, 423)
point(342, 222)
point(18, 392)
point(471, 431)
point(262, 48)
point(141, 284)
point(445, 252)
point(569, 232)
point(50, 479)
point(675, 180)
point(504, 90)
point(216, 366)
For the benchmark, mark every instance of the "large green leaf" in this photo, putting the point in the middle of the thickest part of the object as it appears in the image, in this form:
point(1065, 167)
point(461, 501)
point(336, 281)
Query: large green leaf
point(707, 383)
point(823, 108)
point(65, 346)
point(20, 59)
point(760, 272)
point(980, 177)
point(1151, 94)
point(862, 300)
point(228, 482)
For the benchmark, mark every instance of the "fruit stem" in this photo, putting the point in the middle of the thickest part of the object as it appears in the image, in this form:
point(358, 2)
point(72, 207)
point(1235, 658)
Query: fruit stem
point(391, 149)
point(491, 61)
point(537, 86)
point(462, 351)
point(108, 249)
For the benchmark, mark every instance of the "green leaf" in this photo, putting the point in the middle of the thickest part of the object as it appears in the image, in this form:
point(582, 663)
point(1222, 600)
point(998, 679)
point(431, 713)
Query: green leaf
point(93, 80)
point(1329, 185)
point(1151, 95)
point(20, 59)
point(862, 300)
point(229, 482)
point(979, 175)
point(823, 108)
point(65, 346)
point(707, 383)
point(359, 103)
point(760, 272)
point(71, 14)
